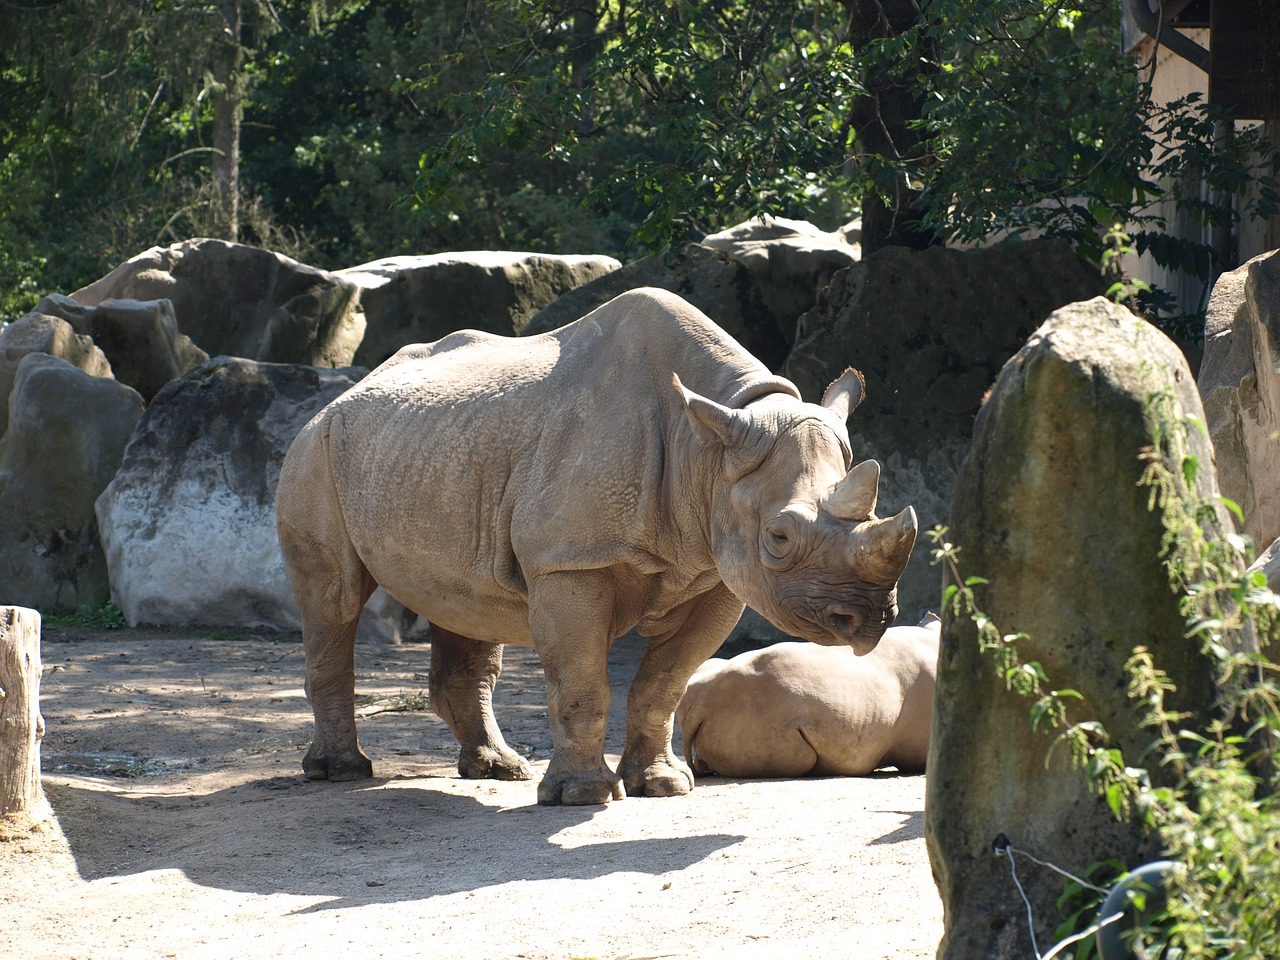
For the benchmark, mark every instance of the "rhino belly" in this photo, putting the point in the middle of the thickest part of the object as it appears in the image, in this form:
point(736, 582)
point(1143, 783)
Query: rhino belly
point(427, 500)
point(461, 606)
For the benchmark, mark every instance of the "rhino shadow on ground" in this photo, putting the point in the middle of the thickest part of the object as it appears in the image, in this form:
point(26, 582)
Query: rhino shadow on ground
point(384, 840)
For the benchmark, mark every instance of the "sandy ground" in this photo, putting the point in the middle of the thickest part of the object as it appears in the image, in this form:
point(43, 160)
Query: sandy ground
point(182, 827)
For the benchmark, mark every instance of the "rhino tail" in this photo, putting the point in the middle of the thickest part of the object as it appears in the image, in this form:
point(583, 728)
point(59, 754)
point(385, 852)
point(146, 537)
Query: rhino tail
point(690, 736)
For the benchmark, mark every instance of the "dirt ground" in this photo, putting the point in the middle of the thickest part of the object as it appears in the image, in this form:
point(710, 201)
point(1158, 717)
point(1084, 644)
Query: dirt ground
point(181, 826)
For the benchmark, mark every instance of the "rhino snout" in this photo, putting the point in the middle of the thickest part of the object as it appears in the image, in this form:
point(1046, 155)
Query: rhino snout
point(856, 626)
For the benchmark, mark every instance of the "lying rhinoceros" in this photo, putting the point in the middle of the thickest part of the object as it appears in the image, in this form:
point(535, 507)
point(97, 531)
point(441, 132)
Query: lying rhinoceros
point(794, 709)
point(634, 469)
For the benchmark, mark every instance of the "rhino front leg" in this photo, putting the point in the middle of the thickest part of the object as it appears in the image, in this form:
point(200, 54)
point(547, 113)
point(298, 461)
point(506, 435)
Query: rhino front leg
point(463, 674)
point(570, 615)
point(649, 767)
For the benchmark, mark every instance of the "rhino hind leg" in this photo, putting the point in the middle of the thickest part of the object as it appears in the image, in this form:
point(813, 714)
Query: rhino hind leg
point(463, 674)
point(331, 585)
point(328, 638)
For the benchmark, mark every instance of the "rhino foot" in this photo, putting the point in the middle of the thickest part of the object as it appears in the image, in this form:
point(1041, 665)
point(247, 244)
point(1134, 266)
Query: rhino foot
point(665, 777)
point(318, 765)
point(592, 789)
point(489, 763)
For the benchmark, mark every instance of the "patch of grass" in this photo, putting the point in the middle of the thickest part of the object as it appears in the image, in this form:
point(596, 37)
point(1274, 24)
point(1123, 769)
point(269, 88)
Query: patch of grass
point(106, 617)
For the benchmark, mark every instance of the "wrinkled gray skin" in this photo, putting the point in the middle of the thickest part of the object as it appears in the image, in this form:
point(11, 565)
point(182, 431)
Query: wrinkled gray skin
point(559, 491)
point(795, 709)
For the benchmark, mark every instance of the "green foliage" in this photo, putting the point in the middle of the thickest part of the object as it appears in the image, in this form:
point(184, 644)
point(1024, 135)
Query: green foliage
point(106, 617)
point(105, 116)
point(974, 121)
point(408, 126)
point(672, 116)
point(1210, 785)
point(1040, 127)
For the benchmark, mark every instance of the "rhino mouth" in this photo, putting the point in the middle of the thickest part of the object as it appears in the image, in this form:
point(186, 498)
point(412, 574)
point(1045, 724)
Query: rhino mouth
point(853, 620)
point(856, 625)
point(861, 630)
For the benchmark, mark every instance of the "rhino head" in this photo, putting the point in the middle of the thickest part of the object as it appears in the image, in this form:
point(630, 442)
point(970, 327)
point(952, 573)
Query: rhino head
point(793, 527)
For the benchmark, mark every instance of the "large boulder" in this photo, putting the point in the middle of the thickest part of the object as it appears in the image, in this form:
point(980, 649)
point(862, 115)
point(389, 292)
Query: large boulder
point(1240, 386)
point(140, 338)
point(188, 523)
point(40, 333)
point(421, 299)
point(66, 434)
point(243, 301)
point(1050, 509)
point(792, 260)
point(929, 330)
point(719, 285)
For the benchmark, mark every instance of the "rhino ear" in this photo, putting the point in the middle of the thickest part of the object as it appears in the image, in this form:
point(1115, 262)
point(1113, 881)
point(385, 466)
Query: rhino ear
point(845, 393)
point(712, 422)
point(854, 497)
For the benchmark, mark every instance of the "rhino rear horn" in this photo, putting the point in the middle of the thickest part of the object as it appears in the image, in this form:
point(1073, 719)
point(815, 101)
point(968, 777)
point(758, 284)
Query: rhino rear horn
point(882, 548)
point(854, 497)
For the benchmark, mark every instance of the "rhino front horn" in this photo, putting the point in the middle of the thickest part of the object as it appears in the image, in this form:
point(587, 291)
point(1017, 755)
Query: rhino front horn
point(854, 497)
point(881, 548)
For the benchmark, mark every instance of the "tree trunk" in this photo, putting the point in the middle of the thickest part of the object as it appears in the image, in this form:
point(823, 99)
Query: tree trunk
point(226, 60)
point(21, 726)
point(882, 119)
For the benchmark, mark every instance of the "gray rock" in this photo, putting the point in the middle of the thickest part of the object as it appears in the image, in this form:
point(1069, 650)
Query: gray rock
point(1269, 563)
point(39, 333)
point(929, 330)
point(717, 284)
point(1048, 507)
point(188, 523)
point(67, 432)
point(243, 301)
point(139, 338)
point(1240, 387)
point(792, 261)
point(421, 299)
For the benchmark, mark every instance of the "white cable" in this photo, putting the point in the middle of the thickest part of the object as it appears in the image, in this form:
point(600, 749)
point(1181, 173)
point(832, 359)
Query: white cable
point(1081, 935)
point(1007, 850)
point(1002, 847)
point(1055, 867)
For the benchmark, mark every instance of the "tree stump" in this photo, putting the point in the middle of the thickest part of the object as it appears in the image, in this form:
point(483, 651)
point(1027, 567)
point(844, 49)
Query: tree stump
point(21, 726)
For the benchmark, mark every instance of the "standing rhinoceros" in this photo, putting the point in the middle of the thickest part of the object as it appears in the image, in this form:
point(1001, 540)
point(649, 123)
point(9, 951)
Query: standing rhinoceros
point(636, 468)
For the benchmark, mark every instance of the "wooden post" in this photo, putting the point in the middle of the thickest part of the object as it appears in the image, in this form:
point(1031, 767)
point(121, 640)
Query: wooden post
point(21, 726)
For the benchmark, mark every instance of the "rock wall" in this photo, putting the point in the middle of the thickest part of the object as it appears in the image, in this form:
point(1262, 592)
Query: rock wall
point(421, 299)
point(719, 285)
point(243, 301)
point(791, 260)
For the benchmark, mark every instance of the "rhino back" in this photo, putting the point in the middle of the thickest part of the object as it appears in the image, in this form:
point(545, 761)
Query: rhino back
point(467, 466)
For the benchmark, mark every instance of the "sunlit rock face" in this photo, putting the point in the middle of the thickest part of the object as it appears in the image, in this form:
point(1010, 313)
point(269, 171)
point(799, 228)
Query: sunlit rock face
point(1240, 387)
point(1049, 508)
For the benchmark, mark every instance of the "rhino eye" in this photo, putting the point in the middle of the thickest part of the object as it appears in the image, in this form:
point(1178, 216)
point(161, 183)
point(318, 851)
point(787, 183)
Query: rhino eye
point(779, 538)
